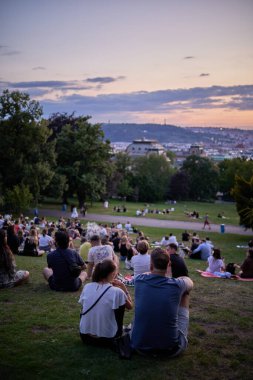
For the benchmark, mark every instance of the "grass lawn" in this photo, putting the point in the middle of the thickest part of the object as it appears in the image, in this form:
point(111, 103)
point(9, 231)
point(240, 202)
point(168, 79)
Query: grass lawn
point(40, 339)
point(181, 208)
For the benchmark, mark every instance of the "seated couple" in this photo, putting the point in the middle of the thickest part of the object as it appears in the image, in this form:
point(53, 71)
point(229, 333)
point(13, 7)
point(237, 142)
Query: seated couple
point(159, 326)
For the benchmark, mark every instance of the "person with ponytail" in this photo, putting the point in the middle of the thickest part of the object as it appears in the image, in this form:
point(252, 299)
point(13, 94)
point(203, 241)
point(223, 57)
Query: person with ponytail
point(103, 301)
point(9, 276)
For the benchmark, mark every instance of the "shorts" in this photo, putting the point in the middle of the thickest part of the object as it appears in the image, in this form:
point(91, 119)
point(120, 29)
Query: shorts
point(183, 325)
point(76, 286)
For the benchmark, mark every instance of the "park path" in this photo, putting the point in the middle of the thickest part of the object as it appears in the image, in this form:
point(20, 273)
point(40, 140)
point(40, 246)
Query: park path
point(148, 222)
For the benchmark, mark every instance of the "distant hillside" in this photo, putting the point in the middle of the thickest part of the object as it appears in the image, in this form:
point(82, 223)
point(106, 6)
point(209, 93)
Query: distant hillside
point(162, 133)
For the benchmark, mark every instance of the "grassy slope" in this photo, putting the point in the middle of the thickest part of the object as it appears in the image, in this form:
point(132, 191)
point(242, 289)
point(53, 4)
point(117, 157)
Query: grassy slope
point(179, 214)
point(39, 330)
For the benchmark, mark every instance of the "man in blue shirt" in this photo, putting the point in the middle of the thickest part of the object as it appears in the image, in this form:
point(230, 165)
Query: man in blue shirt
point(161, 309)
point(202, 252)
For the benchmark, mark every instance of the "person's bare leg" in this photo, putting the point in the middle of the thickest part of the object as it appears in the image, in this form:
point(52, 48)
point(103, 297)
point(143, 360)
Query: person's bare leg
point(47, 272)
point(83, 276)
point(24, 279)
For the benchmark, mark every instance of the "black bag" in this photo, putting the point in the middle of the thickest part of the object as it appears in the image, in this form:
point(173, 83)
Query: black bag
point(123, 346)
point(230, 267)
point(75, 270)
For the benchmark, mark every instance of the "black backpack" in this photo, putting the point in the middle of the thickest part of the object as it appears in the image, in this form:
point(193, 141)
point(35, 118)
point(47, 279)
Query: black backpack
point(230, 267)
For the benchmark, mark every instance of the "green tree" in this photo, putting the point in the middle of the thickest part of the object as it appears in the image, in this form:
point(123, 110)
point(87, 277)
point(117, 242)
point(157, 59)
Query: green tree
point(228, 171)
point(179, 186)
point(120, 181)
point(203, 177)
point(151, 177)
point(27, 156)
point(243, 195)
point(18, 199)
point(83, 158)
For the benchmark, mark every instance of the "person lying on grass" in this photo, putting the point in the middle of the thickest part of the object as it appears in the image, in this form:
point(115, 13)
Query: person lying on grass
point(103, 305)
point(9, 276)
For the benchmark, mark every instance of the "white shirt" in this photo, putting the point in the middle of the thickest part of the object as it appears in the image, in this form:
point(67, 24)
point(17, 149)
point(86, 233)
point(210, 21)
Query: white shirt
point(44, 241)
point(140, 263)
point(173, 239)
point(214, 265)
point(99, 253)
point(100, 320)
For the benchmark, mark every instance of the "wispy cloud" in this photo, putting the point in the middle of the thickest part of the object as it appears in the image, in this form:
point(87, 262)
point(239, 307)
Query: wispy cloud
point(103, 80)
point(70, 98)
point(5, 50)
point(204, 75)
point(39, 68)
point(215, 97)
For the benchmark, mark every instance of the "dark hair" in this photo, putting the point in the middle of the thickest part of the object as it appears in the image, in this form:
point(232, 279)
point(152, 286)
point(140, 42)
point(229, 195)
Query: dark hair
point(160, 258)
point(102, 270)
point(10, 230)
point(44, 231)
point(250, 243)
point(216, 253)
point(142, 247)
point(251, 252)
point(95, 238)
point(62, 239)
point(6, 256)
point(173, 246)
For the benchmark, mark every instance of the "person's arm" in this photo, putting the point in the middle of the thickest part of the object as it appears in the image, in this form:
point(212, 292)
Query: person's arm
point(89, 270)
point(197, 249)
point(119, 284)
point(188, 282)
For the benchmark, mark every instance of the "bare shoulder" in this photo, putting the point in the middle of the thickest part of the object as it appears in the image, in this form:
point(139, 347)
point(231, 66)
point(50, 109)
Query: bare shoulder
point(188, 282)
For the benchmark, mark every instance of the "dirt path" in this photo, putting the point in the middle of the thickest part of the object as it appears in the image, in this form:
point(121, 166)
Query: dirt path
point(140, 221)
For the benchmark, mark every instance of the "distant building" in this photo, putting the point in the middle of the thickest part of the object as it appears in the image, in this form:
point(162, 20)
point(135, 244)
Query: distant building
point(144, 147)
point(196, 150)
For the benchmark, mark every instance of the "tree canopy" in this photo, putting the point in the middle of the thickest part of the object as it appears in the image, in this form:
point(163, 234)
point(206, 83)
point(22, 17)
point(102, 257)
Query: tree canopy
point(243, 194)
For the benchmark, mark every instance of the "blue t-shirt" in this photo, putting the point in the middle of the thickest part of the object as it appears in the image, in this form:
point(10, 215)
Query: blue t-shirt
point(62, 278)
point(157, 300)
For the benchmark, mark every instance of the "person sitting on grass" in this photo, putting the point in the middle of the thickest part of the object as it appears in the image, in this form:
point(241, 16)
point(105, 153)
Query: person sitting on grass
point(98, 253)
point(247, 265)
point(141, 261)
point(178, 266)
point(215, 262)
point(9, 276)
point(58, 272)
point(45, 241)
point(202, 252)
point(103, 305)
point(31, 245)
point(161, 309)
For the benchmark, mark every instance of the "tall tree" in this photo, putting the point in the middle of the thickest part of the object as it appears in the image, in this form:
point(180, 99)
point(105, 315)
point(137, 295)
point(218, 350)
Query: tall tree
point(228, 171)
point(243, 195)
point(179, 186)
point(83, 157)
point(203, 177)
point(27, 157)
point(151, 177)
point(120, 181)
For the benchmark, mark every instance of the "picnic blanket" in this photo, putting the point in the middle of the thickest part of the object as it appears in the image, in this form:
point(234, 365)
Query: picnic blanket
point(211, 275)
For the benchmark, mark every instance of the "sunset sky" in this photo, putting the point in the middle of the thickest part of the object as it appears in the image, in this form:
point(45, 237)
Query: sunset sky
point(182, 62)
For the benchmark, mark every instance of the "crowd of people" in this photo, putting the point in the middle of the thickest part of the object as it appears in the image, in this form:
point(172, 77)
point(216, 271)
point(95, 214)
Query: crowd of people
point(158, 272)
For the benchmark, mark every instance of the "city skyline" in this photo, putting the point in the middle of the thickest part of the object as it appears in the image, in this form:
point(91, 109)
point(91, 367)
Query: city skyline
point(187, 63)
